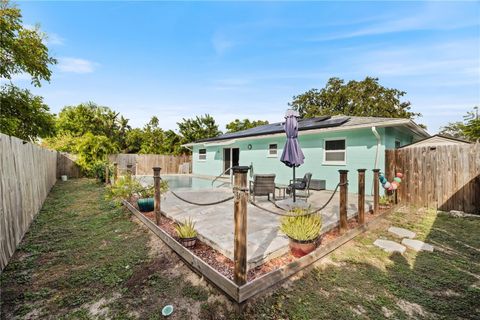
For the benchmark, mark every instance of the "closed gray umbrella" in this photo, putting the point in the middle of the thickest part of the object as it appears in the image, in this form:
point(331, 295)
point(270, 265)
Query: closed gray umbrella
point(292, 154)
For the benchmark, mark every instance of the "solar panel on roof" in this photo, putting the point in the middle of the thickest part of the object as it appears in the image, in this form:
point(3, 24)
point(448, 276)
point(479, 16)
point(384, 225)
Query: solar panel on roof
point(304, 124)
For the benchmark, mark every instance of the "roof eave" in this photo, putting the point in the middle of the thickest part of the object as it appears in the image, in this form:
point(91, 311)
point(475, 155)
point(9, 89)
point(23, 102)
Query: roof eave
point(391, 123)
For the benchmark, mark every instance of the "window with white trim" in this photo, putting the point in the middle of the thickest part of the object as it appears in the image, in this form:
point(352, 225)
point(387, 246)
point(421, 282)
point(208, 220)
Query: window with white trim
point(272, 150)
point(335, 152)
point(202, 154)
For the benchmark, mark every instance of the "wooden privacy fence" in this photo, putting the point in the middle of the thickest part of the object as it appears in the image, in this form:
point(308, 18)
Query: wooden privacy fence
point(27, 173)
point(142, 164)
point(66, 165)
point(442, 177)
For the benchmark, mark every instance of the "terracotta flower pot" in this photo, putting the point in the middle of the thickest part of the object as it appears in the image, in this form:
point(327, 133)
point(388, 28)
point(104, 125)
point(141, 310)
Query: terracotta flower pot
point(299, 248)
point(188, 242)
point(146, 204)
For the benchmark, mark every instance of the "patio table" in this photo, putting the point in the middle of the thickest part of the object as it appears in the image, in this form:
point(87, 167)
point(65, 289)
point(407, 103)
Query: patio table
point(282, 189)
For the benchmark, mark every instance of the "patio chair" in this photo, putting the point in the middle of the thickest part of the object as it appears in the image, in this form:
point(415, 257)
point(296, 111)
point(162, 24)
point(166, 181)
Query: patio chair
point(302, 185)
point(262, 185)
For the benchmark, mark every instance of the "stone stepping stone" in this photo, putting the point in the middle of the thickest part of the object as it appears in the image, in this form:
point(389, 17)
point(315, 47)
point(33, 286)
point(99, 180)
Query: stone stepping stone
point(417, 245)
point(390, 246)
point(401, 233)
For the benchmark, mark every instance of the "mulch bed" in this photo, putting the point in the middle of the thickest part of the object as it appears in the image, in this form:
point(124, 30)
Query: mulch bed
point(225, 266)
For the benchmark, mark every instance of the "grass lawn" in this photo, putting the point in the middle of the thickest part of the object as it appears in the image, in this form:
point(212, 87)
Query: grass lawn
point(86, 259)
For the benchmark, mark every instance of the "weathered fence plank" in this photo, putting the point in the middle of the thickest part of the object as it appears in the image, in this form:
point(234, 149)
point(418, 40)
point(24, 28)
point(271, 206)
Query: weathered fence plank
point(67, 166)
point(444, 177)
point(142, 164)
point(27, 173)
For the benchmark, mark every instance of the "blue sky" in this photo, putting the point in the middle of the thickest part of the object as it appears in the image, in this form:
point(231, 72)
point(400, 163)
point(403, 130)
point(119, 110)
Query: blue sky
point(237, 60)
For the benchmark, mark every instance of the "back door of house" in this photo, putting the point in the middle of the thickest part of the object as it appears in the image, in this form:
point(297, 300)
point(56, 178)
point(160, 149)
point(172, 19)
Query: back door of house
point(231, 158)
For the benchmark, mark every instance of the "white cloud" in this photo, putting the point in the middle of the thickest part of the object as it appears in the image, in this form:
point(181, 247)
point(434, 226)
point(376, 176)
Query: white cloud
point(54, 39)
point(76, 65)
point(221, 44)
point(19, 77)
point(433, 16)
point(50, 38)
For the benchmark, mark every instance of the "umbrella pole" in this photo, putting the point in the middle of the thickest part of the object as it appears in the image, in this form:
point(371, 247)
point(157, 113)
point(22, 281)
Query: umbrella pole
point(294, 199)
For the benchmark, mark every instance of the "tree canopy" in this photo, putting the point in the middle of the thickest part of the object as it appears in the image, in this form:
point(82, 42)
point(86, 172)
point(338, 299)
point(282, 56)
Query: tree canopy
point(92, 131)
point(200, 127)
point(239, 125)
point(24, 115)
point(468, 129)
point(22, 50)
point(365, 98)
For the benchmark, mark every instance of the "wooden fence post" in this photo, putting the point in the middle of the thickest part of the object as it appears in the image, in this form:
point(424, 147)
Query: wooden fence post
point(343, 200)
point(376, 190)
point(361, 196)
point(240, 217)
point(115, 172)
point(156, 183)
point(107, 174)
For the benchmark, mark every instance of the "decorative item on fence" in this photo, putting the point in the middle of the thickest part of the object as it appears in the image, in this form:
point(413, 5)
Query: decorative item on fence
point(391, 185)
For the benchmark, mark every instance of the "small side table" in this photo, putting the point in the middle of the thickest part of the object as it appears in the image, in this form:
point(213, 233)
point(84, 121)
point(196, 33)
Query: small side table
point(282, 189)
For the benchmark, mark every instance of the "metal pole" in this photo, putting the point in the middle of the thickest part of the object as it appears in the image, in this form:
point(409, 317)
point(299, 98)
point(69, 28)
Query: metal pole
point(294, 181)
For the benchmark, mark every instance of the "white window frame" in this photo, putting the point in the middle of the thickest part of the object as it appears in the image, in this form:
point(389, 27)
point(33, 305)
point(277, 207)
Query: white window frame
point(200, 154)
point(334, 163)
point(270, 155)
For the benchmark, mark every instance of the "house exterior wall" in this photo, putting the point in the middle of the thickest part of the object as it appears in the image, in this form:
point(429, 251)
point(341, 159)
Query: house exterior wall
point(395, 134)
point(361, 146)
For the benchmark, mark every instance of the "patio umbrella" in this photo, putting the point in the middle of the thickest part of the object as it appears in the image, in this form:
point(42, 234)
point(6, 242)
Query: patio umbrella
point(292, 155)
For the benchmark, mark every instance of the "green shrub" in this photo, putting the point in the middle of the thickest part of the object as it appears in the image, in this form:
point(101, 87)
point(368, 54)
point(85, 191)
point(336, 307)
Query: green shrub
point(384, 200)
point(98, 170)
point(301, 227)
point(186, 229)
point(126, 187)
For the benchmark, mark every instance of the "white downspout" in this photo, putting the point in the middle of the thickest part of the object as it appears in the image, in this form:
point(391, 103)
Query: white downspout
point(375, 133)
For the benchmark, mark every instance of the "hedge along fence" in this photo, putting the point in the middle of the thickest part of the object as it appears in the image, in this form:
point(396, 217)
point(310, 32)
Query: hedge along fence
point(27, 173)
point(142, 164)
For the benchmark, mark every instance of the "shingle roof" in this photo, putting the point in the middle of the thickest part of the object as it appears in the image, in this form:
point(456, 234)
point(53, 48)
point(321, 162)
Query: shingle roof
point(303, 125)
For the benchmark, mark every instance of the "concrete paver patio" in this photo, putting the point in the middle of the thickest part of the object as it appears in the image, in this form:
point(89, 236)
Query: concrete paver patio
point(215, 223)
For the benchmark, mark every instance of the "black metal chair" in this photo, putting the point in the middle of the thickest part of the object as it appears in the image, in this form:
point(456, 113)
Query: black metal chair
point(302, 185)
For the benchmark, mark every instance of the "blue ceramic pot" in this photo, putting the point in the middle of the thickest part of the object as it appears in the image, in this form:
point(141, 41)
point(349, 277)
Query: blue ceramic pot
point(145, 205)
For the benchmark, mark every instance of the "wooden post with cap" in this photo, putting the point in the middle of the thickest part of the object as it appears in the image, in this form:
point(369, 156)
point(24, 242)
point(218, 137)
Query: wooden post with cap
point(240, 218)
point(376, 190)
point(156, 204)
point(343, 200)
point(361, 196)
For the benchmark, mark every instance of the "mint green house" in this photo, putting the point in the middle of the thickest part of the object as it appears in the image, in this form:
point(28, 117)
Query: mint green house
point(329, 144)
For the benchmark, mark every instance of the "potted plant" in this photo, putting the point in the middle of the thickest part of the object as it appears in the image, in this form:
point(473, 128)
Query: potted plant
point(384, 202)
point(187, 233)
point(145, 199)
point(302, 230)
